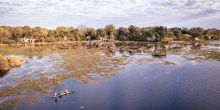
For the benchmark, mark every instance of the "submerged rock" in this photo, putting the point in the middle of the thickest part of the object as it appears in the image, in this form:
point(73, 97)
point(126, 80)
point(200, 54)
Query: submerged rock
point(4, 66)
point(14, 62)
point(159, 53)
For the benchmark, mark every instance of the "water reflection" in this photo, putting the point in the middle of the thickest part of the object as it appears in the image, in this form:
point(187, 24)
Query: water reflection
point(116, 71)
point(34, 67)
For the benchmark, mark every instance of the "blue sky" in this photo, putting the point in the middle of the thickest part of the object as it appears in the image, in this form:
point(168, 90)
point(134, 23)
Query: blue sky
point(98, 13)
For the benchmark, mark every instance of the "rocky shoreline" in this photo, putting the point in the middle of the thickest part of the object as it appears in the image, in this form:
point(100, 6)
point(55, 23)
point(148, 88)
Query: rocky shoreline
point(7, 63)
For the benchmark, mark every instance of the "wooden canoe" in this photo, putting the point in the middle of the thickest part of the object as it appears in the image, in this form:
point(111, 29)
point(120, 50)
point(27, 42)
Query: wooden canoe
point(60, 94)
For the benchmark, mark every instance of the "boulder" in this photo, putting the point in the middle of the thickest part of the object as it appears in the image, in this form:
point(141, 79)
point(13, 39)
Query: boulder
point(14, 62)
point(4, 66)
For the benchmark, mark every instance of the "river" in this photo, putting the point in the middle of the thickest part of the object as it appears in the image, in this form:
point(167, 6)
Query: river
point(116, 77)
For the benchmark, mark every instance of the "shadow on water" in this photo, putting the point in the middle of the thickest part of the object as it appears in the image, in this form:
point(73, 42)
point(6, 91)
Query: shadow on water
point(2, 74)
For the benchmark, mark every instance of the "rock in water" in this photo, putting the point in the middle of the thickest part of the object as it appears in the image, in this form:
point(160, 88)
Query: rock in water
point(4, 66)
point(14, 62)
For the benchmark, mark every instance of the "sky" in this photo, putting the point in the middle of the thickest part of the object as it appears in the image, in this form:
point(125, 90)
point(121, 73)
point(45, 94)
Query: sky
point(98, 13)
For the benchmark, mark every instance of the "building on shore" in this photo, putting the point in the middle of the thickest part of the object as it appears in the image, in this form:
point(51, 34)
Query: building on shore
point(107, 38)
point(28, 40)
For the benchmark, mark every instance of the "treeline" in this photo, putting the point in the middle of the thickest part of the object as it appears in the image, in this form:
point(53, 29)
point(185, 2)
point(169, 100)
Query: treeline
point(132, 33)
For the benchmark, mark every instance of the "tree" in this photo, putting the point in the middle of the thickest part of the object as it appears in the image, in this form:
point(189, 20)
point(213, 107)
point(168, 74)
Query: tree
point(27, 31)
point(17, 33)
point(147, 33)
point(92, 33)
point(185, 30)
point(123, 33)
point(196, 32)
point(132, 33)
point(177, 32)
point(109, 29)
point(100, 33)
point(61, 32)
point(76, 35)
point(135, 33)
point(5, 35)
point(160, 32)
point(213, 33)
point(40, 34)
point(50, 36)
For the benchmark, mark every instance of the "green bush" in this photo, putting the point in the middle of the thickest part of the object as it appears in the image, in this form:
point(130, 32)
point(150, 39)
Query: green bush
point(185, 37)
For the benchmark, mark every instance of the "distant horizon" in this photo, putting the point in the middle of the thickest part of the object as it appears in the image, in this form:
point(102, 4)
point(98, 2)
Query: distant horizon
point(104, 26)
point(120, 13)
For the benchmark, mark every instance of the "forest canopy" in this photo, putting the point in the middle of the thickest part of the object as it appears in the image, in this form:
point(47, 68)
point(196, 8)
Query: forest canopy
point(10, 34)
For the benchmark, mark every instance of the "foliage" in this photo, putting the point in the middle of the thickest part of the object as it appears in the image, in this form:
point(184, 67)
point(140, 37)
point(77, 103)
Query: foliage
point(100, 33)
point(197, 32)
point(185, 37)
point(177, 32)
point(10, 35)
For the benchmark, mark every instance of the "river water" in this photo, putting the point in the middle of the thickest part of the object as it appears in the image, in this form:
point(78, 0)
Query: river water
point(118, 77)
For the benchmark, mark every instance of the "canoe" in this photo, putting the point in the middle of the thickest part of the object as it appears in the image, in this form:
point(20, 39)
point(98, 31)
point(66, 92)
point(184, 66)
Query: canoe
point(60, 94)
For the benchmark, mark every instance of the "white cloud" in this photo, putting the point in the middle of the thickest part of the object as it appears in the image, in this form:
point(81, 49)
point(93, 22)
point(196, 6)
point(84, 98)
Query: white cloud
point(50, 13)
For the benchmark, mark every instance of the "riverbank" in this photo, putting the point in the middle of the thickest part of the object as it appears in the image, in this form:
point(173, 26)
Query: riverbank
point(97, 42)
